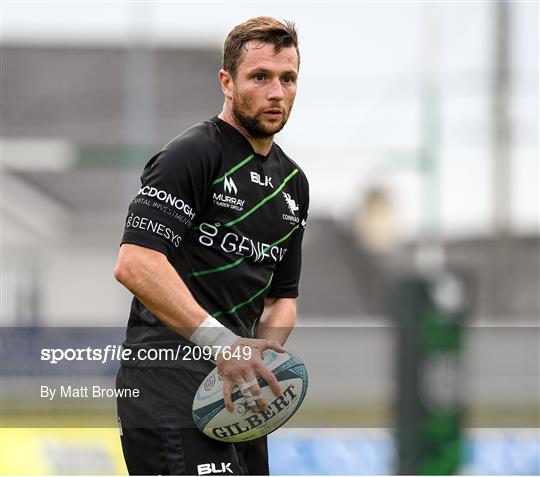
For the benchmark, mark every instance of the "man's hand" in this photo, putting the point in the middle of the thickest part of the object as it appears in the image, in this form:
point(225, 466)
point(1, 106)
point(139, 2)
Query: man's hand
point(243, 373)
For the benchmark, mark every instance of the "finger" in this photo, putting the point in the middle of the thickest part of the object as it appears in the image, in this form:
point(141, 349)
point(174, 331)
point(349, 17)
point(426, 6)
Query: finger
point(249, 401)
point(261, 402)
point(255, 390)
point(267, 375)
point(227, 389)
point(257, 396)
point(248, 384)
point(252, 393)
point(273, 344)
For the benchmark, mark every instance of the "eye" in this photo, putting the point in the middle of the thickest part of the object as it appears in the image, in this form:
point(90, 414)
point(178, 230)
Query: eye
point(260, 76)
point(287, 79)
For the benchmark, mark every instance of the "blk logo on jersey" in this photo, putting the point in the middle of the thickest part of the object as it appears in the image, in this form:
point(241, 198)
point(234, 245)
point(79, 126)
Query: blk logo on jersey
point(257, 179)
point(230, 186)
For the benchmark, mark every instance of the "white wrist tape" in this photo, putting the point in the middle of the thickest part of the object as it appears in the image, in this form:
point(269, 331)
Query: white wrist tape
point(212, 333)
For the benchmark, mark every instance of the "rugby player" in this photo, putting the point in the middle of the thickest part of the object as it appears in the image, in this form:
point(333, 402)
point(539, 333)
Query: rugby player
point(212, 253)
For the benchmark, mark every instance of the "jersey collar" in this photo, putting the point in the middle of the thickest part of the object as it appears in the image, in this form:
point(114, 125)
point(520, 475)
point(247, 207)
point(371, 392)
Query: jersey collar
point(236, 136)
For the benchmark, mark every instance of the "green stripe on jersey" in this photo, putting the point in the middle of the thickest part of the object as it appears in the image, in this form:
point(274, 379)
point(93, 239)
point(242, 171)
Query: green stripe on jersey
point(255, 324)
point(232, 169)
point(241, 259)
point(264, 201)
point(218, 269)
point(249, 300)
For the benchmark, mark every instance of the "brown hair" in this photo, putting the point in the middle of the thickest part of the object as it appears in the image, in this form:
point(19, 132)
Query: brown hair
point(264, 29)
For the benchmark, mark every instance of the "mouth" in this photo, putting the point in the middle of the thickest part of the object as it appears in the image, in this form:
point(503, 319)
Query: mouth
point(273, 113)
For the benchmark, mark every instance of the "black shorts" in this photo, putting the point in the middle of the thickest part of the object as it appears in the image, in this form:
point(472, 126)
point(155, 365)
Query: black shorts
point(159, 436)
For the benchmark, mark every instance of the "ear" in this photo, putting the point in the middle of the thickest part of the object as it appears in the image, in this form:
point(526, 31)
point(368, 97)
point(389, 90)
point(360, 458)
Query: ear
point(227, 84)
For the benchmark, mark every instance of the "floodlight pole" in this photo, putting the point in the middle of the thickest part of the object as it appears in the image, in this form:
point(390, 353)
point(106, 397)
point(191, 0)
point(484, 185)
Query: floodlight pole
point(502, 172)
point(430, 252)
point(140, 84)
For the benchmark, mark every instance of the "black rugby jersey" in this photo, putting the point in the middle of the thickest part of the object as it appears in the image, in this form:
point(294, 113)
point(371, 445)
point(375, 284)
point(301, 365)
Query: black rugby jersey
point(229, 220)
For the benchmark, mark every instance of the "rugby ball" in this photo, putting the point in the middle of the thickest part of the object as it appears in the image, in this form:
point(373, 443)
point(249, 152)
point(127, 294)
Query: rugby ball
point(216, 421)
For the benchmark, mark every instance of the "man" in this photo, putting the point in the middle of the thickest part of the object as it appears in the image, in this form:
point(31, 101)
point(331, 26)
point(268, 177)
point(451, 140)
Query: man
point(212, 254)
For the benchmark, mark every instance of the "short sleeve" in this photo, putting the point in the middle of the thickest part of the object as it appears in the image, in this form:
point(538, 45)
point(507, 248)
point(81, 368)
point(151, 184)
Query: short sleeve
point(173, 192)
point(287, 273)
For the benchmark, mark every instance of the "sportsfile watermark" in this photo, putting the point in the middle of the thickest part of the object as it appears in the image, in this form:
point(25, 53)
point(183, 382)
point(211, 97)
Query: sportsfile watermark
point(355, 376)
point(119, 353)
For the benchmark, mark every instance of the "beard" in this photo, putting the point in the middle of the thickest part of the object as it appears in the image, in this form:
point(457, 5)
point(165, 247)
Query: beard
point(254, 123)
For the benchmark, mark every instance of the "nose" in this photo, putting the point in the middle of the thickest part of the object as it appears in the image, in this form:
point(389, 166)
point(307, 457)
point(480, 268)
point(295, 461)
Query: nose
point(275, 91)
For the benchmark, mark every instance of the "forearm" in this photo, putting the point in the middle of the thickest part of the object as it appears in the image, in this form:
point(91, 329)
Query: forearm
point(153, 280)
point(278, 319)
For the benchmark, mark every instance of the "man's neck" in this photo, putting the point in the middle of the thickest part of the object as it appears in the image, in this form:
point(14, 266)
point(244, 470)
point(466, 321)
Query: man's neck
point(260, 145)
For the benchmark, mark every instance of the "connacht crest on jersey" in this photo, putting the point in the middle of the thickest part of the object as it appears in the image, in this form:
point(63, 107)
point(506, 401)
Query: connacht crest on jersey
point(291, 203)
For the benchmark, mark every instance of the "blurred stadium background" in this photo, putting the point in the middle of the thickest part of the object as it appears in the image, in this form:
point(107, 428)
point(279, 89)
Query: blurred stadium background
point(417, 125)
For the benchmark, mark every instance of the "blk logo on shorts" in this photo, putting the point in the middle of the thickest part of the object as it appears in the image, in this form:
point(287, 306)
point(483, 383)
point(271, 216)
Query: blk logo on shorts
point(204, 469)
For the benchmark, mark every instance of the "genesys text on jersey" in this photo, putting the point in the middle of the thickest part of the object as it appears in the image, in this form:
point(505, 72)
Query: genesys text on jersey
point(231, 242)
point(144, 223)
point(118, 353)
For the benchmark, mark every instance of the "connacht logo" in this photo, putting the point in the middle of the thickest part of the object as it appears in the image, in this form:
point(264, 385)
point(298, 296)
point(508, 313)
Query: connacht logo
point(230, 186)
point(291, 203)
